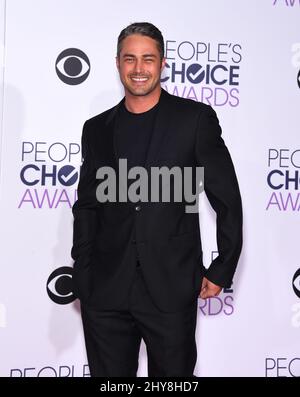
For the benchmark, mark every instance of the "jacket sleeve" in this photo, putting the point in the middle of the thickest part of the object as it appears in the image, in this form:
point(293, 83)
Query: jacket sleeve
point(84, 209)
point(222, 190)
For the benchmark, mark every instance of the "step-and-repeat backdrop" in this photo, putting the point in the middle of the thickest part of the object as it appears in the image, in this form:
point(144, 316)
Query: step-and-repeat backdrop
point(57, 70)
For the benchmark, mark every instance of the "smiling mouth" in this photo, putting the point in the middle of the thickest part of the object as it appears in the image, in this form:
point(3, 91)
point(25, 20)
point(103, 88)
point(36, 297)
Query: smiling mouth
point(139, 79)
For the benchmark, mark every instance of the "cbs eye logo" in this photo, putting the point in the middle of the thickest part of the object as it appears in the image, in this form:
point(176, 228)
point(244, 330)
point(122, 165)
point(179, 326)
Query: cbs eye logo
point(72, 66)
point(60, 286)
point(296, 283)
point(298, 79)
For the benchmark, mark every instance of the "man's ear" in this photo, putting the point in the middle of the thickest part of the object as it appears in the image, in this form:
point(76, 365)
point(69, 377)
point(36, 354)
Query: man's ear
point(163, 64)
point(118, 62)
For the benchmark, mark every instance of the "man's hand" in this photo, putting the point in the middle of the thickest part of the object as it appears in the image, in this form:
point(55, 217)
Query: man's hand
point(209, 289)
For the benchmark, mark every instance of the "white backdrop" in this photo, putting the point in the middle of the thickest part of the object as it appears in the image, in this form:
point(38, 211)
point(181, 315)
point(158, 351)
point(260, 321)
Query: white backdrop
point(251, 330)
point(2, 36)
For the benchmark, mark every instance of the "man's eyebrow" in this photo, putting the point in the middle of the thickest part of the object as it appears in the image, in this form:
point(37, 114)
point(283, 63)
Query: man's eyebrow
point(144, 55)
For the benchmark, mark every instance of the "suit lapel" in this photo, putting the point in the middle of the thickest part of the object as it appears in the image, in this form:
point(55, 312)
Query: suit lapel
point(111, 126)
point(161, 128)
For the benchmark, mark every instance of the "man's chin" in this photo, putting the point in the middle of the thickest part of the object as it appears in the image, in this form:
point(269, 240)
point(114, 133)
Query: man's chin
point(139, 91)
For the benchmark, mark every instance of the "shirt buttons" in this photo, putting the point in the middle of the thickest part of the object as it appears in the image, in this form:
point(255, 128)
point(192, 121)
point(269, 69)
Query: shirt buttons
point(137, 207)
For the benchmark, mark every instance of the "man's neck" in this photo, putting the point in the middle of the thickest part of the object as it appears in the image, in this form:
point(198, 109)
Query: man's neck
point(140, 104)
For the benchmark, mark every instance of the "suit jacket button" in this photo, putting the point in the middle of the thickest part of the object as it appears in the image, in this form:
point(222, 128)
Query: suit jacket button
point(137, 208)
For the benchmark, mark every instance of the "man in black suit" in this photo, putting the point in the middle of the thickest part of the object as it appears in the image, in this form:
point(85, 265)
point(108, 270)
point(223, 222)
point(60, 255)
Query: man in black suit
point(138, 267)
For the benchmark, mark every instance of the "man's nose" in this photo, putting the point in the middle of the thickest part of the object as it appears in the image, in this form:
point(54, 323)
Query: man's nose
point(139, 65)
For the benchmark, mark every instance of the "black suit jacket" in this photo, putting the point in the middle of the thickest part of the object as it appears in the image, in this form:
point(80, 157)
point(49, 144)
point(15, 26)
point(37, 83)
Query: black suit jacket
point(186, 133)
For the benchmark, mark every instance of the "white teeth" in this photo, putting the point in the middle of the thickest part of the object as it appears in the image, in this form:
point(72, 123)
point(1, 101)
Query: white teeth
point(139, 78)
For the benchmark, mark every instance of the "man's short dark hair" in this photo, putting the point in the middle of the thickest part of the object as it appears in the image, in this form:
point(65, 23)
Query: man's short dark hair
point(144, 29)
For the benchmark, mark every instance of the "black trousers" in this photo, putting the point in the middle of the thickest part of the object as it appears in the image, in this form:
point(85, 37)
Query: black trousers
point(113, 338)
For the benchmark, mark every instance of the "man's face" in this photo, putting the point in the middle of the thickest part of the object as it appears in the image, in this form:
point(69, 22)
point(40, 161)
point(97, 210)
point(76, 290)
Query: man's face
point(139, 64)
